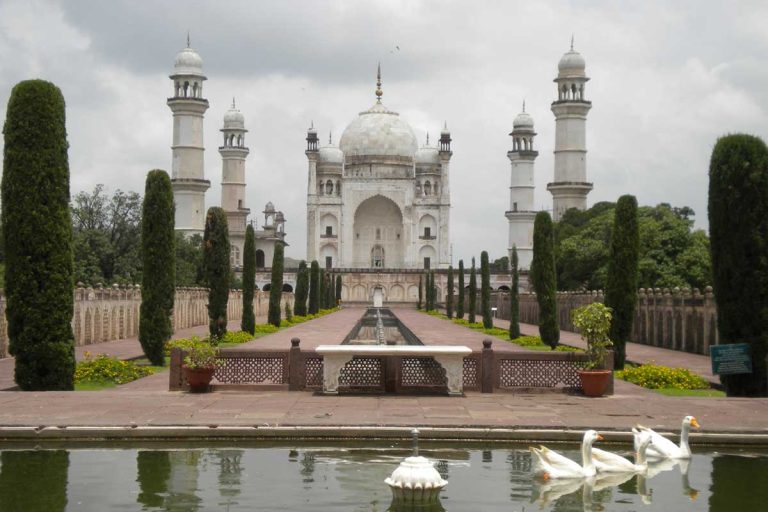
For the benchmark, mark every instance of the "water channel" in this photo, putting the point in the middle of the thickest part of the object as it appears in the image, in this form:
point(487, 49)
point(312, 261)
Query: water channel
point(351, 478)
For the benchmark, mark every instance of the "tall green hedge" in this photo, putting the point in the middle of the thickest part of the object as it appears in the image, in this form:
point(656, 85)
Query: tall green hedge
point(158, 256)
point(37, 235)
point(621, 282)
point(738, 227)
point(472, 293)
point(248, 323)
point(449, 296)
point(544, 278)
point(217, 270)
point(514, 298)
point(460, 301)
point(302, 290)
point(485, 290)
point(421, 285)
point(337, 298)
point(314, 288)
point(432, 291)
point(321, 291)
point(276, 286)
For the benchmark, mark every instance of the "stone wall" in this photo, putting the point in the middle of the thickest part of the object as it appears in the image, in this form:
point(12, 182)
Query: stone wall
point(112, 313)
point(676, 319)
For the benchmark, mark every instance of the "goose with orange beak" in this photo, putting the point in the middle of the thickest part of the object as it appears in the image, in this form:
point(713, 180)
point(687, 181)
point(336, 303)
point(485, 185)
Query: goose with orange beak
point(663, 448)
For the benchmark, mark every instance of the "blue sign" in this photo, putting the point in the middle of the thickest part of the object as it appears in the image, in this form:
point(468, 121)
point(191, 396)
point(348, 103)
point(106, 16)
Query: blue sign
point(731, 359)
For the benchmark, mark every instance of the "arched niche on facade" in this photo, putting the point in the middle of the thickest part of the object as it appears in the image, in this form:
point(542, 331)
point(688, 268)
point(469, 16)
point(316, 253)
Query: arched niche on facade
point(378, 224)
point(259, 258)
point(427, 227)
point(328, 251)
point(329, 225)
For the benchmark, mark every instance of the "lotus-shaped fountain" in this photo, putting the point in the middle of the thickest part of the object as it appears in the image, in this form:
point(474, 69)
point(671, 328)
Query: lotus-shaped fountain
point(416, 480)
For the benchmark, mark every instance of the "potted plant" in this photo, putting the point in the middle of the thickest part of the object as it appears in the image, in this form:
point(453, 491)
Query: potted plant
point(593, 322)
point(200, 363)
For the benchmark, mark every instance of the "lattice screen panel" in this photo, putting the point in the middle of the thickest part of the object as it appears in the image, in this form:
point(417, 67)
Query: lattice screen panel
point(313, 372)
point(421, 371)
point(471, 373)
point(252, 370)
point(537, 374)
point(362, 372)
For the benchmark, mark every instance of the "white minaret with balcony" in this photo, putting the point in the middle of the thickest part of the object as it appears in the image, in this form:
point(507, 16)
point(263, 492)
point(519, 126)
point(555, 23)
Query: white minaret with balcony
point(521, 212)
point(233, 153)
point(570, 187)
point(187, 169)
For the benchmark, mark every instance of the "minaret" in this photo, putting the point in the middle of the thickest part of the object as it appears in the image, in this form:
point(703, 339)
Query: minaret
point(187, 175)
point(312, 153)
point(233, 154)
point(521, 213)
point(570, 187)
point(445, 153)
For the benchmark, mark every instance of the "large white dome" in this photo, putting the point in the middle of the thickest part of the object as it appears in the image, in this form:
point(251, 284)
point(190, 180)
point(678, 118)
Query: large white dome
point(378, 132)
point(571, 64)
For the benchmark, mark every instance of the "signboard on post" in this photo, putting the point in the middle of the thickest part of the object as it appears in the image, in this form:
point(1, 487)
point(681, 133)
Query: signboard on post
point(731, 359)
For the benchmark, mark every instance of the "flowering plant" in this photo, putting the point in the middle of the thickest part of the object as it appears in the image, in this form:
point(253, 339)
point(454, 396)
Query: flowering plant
point(593, 322)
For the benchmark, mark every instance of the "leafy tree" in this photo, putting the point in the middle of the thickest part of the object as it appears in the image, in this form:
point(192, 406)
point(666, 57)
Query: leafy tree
point(421, 285)
point(449, 296)
point(189, 261)
point(500, 264)
point(217, 270)
point(276, 286)
point(302, 289)
point(514, 299)
point(460, 301)
point(248, 322)
point(544, 278)
point(472, 292)
point(314, 288)
point(621, 288)
point(338, 291)
point(37, 231)
point(485, 290)
point(738, 224)
point(158, 286)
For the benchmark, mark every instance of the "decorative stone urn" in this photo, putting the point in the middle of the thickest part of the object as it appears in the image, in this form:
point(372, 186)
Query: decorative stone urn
point(416, 480)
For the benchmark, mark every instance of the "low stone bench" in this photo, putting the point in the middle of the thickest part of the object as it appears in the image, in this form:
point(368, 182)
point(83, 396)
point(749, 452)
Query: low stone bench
point(451, 358)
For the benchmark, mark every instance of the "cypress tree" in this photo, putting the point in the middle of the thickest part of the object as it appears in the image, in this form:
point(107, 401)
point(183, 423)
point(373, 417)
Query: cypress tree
point(331, 291)
point(276, 286)
point(460, 301)
point(338, 291)
point(314, 288)
point(738, 227)
point(485, 290)
point(472, 292)
point(621, 282)
point(217, 271)
point(302, 290)
point(449, 296)
point(37, 235)
point(432, 290)
point(248, 323)
point(514, 299)
point(321, 296)
point(545, 279)
point(421, 285)
point(158, 255)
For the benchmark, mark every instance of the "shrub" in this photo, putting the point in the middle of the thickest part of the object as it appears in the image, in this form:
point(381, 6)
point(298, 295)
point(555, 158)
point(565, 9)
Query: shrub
point(104, 368)
point(485, 290)
point(276, 286)
point(654, 376)
point(302, 290)
point(249, 277)
point(544, 278)
point(472, 293)
point(449, 294)
point(182, 343)
point(202, 355)
point(236, 337)
point(288, 312)
point(266, 328)
point(514, 299)
point(314, 288)
point(217, 270)
point(593, 322)
point(460, 299)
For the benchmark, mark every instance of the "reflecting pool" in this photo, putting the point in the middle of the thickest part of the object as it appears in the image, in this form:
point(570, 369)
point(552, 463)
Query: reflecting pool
point(336, 478)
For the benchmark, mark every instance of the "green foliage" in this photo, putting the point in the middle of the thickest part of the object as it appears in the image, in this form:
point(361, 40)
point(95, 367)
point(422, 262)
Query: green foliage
point(201, 355)
point(485, 290)
point(738, 224)
point(421, 285)
point(594, 322)
point(158, 254)
point(154, 471)
point(104, 368)
point(621, 286)
point(314, 288)
point(449, 294)
point(276, 286)
point(302, 289)
point(337, 298)
point(671, 253)
point(321, 289)
point(217, 269)
point(514, 299)
point(189, 261)
point(288, 312)
point(535, 343)
point(268, 328)
point(460, 301)
point(544, 278)
point(500, 264)
point(34, 480)
point(472, 293)
point(654, 376)
point(248, 322)
point(37, 232)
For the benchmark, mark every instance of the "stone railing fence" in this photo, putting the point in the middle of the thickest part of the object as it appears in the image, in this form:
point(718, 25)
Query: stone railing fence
point(112, 313)
point(676, 319)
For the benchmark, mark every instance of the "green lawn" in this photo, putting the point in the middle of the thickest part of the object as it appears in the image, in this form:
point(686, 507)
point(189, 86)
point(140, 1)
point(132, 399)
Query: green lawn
point(691, 392)
point(94, 385)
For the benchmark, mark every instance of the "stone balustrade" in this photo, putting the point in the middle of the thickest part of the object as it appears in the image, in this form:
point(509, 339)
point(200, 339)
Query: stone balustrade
point(112, 313)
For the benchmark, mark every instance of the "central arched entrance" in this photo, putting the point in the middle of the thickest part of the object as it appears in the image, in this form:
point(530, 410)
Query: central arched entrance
point(378, 234)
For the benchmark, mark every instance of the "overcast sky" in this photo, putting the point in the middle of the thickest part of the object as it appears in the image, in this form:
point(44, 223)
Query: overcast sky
point(667, 78)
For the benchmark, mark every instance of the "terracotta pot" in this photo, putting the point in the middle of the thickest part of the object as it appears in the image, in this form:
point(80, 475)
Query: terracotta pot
point(199, 379)
point(594, 382)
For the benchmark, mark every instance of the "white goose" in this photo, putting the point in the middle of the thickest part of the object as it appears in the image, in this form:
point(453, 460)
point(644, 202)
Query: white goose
point(662, 447)
point(608, 462)
point(555, 465)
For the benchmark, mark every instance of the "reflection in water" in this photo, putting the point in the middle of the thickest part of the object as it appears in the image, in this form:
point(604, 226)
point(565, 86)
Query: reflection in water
point(34, 481)
point(182, 482)
point(738, 483)
point(154, 469)
point(229, 476)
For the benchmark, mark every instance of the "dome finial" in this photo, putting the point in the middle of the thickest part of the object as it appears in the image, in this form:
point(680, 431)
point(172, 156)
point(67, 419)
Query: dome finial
point(330, 138)
point(427, 138)
point(379, 92)
point(233, 102)
point(523, 105)
point(571, 42)
point(188, 39)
